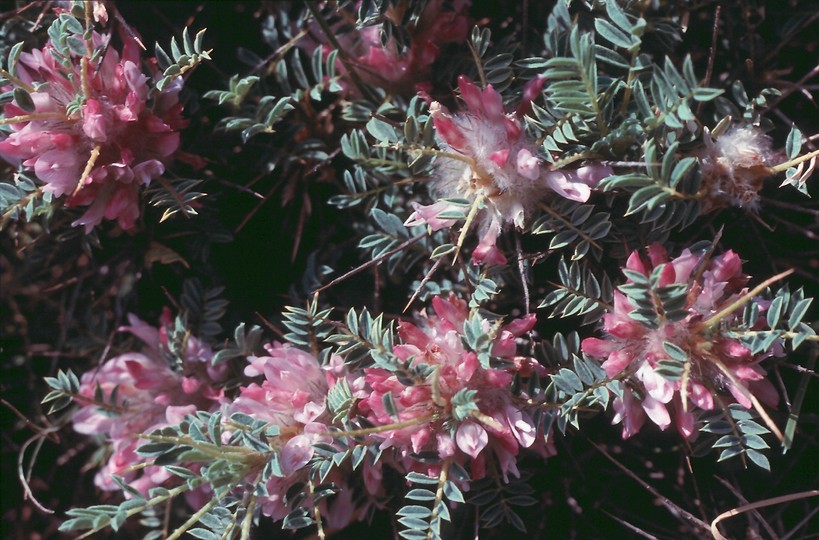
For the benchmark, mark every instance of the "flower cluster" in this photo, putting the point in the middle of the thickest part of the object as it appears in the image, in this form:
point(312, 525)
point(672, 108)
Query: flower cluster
point(292, 397)
point(93, 130)
point(488, 156)
point(137, 392)
point(634, 349)
point(456, 406)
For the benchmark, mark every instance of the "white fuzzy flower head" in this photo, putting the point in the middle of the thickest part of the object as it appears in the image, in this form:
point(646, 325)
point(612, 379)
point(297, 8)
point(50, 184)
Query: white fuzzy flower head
point(491, 158)
point(734, 166)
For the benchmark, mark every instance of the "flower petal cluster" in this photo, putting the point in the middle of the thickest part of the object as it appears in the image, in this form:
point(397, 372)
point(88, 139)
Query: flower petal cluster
point(292, 396)
point(633, 349)
point(95, 135)
point(491, 157)
point(143, 392)
point(492, 430)
point(734, 166)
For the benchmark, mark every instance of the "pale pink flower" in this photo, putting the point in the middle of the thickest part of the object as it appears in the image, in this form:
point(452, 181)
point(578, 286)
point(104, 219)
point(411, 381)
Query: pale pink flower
point(498, 164)
point(98, 143)
point(292, 397)
point(633, 350)
point(151, 394)
point(429, 215)
point(497, 430)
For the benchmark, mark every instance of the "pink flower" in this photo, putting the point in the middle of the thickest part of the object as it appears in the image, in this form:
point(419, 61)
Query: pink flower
point(633, 350)
point(496, 427)
point(151, 394)
point(93, 136)
point(498, 163)
point(292, 397)
point(429, 215)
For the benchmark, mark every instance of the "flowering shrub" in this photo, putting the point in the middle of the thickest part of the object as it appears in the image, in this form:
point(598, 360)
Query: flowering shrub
point(391, 387)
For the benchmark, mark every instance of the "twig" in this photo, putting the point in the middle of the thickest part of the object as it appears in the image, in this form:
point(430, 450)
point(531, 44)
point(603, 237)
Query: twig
point(24, 478)
point(743, 500)
point(670, 505)
point(711, 55)
point(629, 526)
point(373, 262)
point(760, 504)
point(522, 269)
point(798, 399)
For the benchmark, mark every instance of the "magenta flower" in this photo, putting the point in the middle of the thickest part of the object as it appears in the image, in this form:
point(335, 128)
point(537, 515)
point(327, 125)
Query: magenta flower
point(94, 135)
point(492, 158)
point(496, 428)
point(150, 395)
point(634, 350)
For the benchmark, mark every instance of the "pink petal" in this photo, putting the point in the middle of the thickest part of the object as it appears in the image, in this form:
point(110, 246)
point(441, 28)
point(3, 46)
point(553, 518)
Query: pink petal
point(567, 187)
point(60, 170)
point(500, 157)
point(657, 412)
point(471, 438)
point(701, 396)
point(727, 266)
point(617, 362)
point(634, 262)
point(684, 264)
point(296, 453)
point(598, 348)
point(591, 175)
point(520, 326)
point(528, 165)
point(685, 423)
point(471, 94)
point(492, 103)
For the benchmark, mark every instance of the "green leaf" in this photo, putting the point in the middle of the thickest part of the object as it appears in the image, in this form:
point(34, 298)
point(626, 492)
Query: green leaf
point(613, 34)
point(793, 144)
point(381, 130)
point(675, 352)
point(759, 459)
point(419, 494)
point(707, 94)
point(441, 251)
point(798, 312)
point(414, 510)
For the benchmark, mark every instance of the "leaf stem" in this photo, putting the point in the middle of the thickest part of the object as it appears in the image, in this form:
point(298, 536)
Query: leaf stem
point(380, 429)
point(89, 166)
point(439, 497)
point(744, 299)
point(16, 81)
point(793, 162)
point(33, 116)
